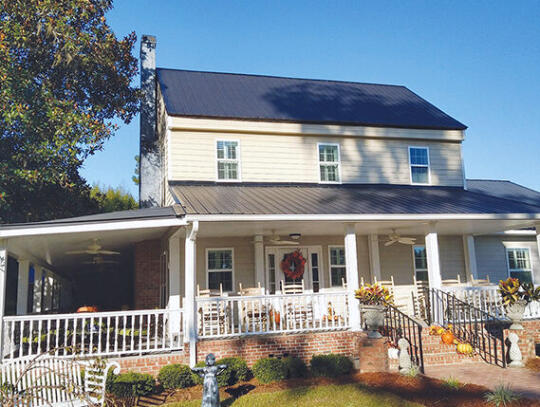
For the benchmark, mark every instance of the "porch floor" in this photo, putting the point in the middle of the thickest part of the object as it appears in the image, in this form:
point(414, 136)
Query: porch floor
point(521, 380)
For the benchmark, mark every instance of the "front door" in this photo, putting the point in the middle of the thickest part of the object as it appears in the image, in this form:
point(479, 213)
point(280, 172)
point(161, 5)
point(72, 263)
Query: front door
point(279, 259)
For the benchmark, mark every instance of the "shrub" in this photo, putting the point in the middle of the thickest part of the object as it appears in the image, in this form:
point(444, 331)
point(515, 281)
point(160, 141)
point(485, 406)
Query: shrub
point(130, 384)
point(330, 365)
point(270, 370)
point(224, 379)
point(452, 383)
point(501, 396)
point(175, 376)
point(239, 369)
point(295, 367)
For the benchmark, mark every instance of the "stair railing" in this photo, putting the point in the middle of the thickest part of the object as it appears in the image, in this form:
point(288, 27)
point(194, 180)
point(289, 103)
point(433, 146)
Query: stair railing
point(484, 331)
point(399, 325)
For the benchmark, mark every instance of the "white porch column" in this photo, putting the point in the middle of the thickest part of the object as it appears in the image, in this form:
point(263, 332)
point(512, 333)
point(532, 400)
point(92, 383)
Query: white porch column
point(374, 258)
point(259, 260)
point(3, 278)
point(538, 238)
point(22, 287)
point(38, 288)
point(190, 309)
point(174, 284)
point(351, 264)
point(433, 262)
point(470, 257)
point(47, 290)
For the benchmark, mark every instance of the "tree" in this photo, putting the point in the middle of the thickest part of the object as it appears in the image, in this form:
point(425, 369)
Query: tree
point(136, 178)
point(65, 79)
point(113, 199)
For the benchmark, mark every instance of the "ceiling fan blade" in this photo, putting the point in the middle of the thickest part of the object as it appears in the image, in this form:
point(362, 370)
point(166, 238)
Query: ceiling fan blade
point(108, 252)
point(78, 252)
point(289, 242)
point(407, 240)
point(390, 243)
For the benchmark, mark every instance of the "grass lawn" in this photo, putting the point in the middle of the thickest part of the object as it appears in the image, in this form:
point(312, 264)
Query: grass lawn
point(347, 395)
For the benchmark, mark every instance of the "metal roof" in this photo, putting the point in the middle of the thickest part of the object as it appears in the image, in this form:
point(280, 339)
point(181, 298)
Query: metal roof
point(504, 189)
point(257, 97)
point(212, 198)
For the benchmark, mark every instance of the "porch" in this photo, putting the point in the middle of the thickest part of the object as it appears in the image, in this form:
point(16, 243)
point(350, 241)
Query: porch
point(187, 282)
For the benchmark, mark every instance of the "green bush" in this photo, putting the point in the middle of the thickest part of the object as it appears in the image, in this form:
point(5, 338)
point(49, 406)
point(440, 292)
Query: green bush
point(270, 370)
point(295, 367)
point(130, 384)
point(175, 377)
point(237, 370)
point(330, 365)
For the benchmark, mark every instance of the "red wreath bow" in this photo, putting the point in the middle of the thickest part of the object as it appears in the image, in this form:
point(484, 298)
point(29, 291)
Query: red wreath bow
point(293, 265)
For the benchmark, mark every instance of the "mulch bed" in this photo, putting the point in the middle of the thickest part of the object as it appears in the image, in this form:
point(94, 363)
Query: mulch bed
point(420, 389)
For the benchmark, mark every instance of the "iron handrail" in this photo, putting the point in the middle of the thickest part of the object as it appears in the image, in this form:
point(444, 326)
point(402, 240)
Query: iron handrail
point(400, 325)
point(480, 328)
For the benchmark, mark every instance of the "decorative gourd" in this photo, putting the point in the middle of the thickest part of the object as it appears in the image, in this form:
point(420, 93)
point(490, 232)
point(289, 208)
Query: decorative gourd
point(87, 308)
point(465, 348)
point(447, 338)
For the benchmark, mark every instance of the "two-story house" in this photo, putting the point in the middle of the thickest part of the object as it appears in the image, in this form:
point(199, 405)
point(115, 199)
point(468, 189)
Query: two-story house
point(265, 202)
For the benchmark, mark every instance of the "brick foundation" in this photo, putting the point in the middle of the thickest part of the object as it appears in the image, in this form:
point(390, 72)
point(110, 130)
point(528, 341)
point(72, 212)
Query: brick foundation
point(146, 278)
point(368, 355)
point(528, 338)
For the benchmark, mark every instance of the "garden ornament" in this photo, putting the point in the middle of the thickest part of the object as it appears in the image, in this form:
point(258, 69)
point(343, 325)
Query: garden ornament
point(514, 353)
point(405, 363)
point(210, 385)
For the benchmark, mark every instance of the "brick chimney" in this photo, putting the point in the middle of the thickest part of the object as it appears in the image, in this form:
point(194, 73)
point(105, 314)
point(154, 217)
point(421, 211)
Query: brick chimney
point(150, 156)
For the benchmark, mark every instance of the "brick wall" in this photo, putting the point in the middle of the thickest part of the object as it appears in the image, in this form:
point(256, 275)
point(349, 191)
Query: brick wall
point(528, 338)
point(146, 279)
point(368, 355)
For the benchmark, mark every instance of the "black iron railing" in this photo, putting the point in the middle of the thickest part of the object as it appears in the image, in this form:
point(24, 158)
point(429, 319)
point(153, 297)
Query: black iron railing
point(400, 325)
point(481, 329)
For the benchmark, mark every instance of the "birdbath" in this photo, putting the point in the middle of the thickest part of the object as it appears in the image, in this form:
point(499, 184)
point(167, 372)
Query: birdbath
point(209, 373)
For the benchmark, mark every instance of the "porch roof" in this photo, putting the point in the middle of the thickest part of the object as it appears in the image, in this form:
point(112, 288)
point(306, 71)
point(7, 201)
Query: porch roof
point(359, 199)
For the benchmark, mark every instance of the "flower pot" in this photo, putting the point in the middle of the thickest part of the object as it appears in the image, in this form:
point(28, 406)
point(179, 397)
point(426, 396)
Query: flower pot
point(515, 313)
point(373, 317)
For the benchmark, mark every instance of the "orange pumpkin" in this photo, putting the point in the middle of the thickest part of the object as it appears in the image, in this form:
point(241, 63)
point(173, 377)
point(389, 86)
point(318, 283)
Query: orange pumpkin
point(87, 308)
point(447, 338)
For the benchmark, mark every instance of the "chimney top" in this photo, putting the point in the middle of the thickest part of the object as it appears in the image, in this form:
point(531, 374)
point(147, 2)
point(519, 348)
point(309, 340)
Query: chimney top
point(148, 38)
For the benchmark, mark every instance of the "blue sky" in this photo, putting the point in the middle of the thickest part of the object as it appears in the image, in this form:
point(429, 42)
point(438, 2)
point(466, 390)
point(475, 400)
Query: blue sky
point(478, 61)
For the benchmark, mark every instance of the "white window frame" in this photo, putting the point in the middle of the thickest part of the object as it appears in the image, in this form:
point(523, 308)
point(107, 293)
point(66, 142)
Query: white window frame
point(428, 166)
point(238, 160)
point(319, 162)
point(330, 265)
point(415, 270)
point(509, 270)
point(208, 271)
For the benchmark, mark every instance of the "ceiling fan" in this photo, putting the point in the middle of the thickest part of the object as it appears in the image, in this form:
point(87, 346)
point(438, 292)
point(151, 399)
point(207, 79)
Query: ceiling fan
point(96, 260)
point(93, 248)
point(275, 239)
point(394, 237)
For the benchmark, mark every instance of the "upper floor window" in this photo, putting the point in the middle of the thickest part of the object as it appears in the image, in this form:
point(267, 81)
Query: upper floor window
point(329, 162)
point(228, 160)
point(338, 272)
point(419, 162)
point(420, 263)
point(519, 264)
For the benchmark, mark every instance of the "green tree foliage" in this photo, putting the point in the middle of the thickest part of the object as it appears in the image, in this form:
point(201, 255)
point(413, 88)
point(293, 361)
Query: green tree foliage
point(113, 199)
point(136, 178)
point(65, 80)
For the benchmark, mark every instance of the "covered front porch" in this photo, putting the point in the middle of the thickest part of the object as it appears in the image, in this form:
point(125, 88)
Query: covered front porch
point(182, 280)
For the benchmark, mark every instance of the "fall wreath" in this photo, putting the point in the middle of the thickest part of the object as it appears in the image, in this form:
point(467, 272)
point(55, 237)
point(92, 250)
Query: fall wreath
point(293, 265)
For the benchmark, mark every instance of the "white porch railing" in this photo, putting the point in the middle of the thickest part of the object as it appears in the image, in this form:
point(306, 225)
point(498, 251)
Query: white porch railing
point(488, 299)
point(93, 334)
point(255, 315)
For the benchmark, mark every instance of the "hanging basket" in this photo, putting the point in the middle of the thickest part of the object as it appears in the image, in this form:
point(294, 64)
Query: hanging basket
point(293, 265)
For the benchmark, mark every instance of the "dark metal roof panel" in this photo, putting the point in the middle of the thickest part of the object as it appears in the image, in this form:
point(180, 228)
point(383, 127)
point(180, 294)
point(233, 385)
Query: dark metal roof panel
point(257, 97)
point(211, 198)
point(504, 189)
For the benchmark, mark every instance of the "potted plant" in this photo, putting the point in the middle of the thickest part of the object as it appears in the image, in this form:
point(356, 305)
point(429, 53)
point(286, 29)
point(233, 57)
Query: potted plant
point(515, 297)
point(373, 302)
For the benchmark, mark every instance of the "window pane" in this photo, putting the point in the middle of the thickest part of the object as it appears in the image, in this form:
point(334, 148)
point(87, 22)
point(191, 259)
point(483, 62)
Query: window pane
point(328, 153)
point(419, 175)
point(220, 150)
point(523, 276)
point(420, 258)
point(227, 170)
point(220, 260)
point(337, 256)
point(215, 278)
point(315, 267)
point(518, 259)
point(329, 173)
point(419, 156)
point(231, 149)
point(422, 275)
point(338, 275)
